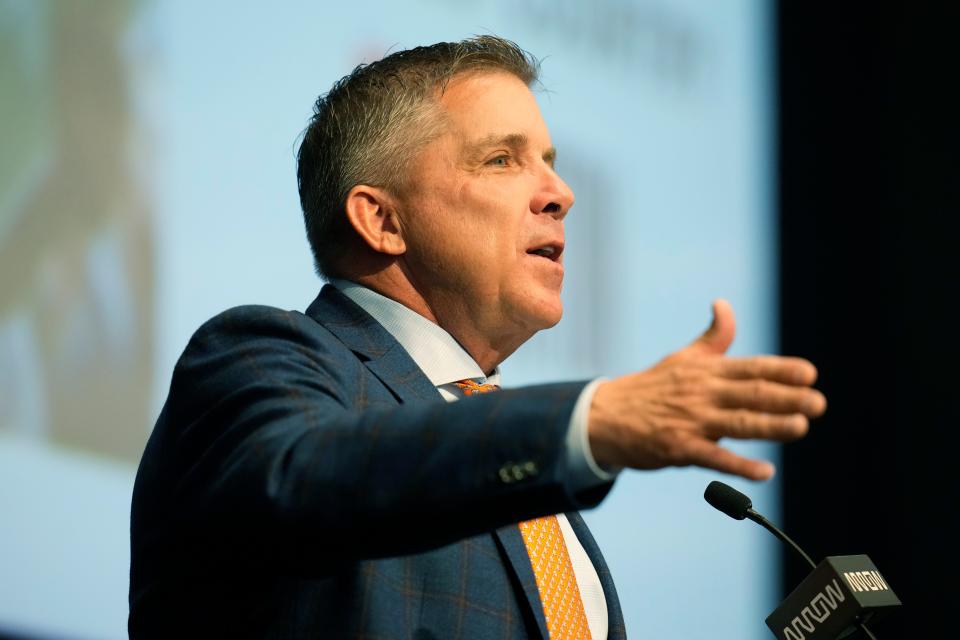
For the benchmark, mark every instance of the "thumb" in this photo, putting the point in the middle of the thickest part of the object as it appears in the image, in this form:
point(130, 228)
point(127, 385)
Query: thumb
point(718, 337)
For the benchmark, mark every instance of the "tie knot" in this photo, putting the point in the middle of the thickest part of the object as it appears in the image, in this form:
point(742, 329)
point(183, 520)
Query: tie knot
point(471, 387)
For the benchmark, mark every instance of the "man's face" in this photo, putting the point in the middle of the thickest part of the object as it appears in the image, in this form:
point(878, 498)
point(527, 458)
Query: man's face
point(483, 216)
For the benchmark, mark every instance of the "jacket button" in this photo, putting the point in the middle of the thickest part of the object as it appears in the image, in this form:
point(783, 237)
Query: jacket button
point(511, 472)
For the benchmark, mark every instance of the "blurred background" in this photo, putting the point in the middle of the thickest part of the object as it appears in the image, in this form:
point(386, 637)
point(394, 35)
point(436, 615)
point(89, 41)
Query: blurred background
point(793, 163)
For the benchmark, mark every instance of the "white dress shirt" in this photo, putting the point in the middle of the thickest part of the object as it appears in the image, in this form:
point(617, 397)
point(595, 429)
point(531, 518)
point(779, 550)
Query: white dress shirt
point(444, 361)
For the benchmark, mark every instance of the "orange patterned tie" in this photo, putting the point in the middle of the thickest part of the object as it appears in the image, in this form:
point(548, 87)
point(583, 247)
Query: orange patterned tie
point(471, 387)
point(559, 593)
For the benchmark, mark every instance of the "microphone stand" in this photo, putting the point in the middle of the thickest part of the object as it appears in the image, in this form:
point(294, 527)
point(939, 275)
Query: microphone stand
point(769, 526)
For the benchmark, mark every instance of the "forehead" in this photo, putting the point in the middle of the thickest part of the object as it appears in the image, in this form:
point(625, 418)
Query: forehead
point(485, 105)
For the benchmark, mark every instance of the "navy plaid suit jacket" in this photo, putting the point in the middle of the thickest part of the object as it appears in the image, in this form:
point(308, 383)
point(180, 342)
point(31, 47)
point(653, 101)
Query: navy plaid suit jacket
point(306, 480)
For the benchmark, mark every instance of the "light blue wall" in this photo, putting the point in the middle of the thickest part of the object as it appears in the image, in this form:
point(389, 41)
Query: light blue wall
point(661, 112)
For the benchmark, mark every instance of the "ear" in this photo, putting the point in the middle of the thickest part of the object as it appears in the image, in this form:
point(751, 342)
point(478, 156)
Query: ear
point(373, 215)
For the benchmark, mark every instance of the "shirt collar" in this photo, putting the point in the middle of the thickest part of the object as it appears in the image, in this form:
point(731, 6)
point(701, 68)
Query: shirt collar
point(439, 356)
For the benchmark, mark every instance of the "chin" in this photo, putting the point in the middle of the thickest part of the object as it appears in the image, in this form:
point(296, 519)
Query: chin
point(553, 316)
point(544, 312)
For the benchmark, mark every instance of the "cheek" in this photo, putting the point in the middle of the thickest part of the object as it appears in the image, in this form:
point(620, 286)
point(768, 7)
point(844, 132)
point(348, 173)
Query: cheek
point(456, 246)
point(471, 228)
point(485, 225)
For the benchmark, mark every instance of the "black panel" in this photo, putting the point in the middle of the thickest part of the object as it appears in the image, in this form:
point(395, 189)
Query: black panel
point(869, 190)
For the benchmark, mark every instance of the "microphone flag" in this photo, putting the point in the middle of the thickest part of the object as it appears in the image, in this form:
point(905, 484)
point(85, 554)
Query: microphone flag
point(840, 593)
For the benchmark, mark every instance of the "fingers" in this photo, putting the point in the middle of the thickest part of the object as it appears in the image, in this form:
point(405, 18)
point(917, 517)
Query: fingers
point(769, 397)
point(786, 370)
point(718, 337)
point(710, 455)
point(744, 424)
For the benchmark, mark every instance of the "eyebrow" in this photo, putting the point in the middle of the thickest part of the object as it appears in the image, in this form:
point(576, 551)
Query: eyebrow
point(515, 141)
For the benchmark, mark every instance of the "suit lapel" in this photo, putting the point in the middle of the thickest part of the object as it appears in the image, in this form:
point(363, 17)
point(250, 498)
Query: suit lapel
point(616, 629)
point(378, 350)
point(511, 544)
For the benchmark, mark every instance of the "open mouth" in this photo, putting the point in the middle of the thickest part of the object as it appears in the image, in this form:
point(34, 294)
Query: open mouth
point(551, 252)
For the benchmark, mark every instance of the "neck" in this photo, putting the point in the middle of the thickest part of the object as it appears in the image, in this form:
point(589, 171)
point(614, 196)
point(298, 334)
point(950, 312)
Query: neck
point(487, 347)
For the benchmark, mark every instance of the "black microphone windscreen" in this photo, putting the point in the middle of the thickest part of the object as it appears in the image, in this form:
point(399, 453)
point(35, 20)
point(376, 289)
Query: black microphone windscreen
point(725, 498)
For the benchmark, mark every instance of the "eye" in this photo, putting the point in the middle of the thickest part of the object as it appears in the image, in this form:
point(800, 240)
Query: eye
point(499, 161)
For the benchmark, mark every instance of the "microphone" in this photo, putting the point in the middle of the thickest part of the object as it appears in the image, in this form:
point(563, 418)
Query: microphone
point(841, 593)
point(725, 498)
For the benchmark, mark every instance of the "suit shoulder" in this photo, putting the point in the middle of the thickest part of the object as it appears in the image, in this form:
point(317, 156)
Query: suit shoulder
point(250, 333)
point(253, 316)
point(261, 321)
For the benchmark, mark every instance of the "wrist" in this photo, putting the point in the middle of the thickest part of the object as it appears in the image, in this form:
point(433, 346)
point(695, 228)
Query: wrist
point(601, 432)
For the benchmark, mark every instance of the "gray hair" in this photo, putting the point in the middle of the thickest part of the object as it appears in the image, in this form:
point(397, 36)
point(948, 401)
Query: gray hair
point(372, 122)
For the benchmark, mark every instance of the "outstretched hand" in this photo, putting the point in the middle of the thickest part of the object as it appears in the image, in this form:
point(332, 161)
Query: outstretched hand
point(674, 413)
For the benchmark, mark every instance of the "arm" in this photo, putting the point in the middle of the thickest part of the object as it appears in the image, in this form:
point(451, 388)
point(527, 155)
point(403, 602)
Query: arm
point(262, 451)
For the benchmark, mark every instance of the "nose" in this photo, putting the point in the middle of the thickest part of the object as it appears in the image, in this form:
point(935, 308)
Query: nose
point(553, 196)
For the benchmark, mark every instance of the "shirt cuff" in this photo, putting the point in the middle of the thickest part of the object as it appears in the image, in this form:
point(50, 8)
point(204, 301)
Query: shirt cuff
point(585, 473)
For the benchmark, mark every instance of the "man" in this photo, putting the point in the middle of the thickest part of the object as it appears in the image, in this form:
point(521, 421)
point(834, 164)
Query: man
point(325, 475)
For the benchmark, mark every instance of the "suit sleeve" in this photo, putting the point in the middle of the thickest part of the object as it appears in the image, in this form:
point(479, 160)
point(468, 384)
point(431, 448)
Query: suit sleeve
point(261, 453)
